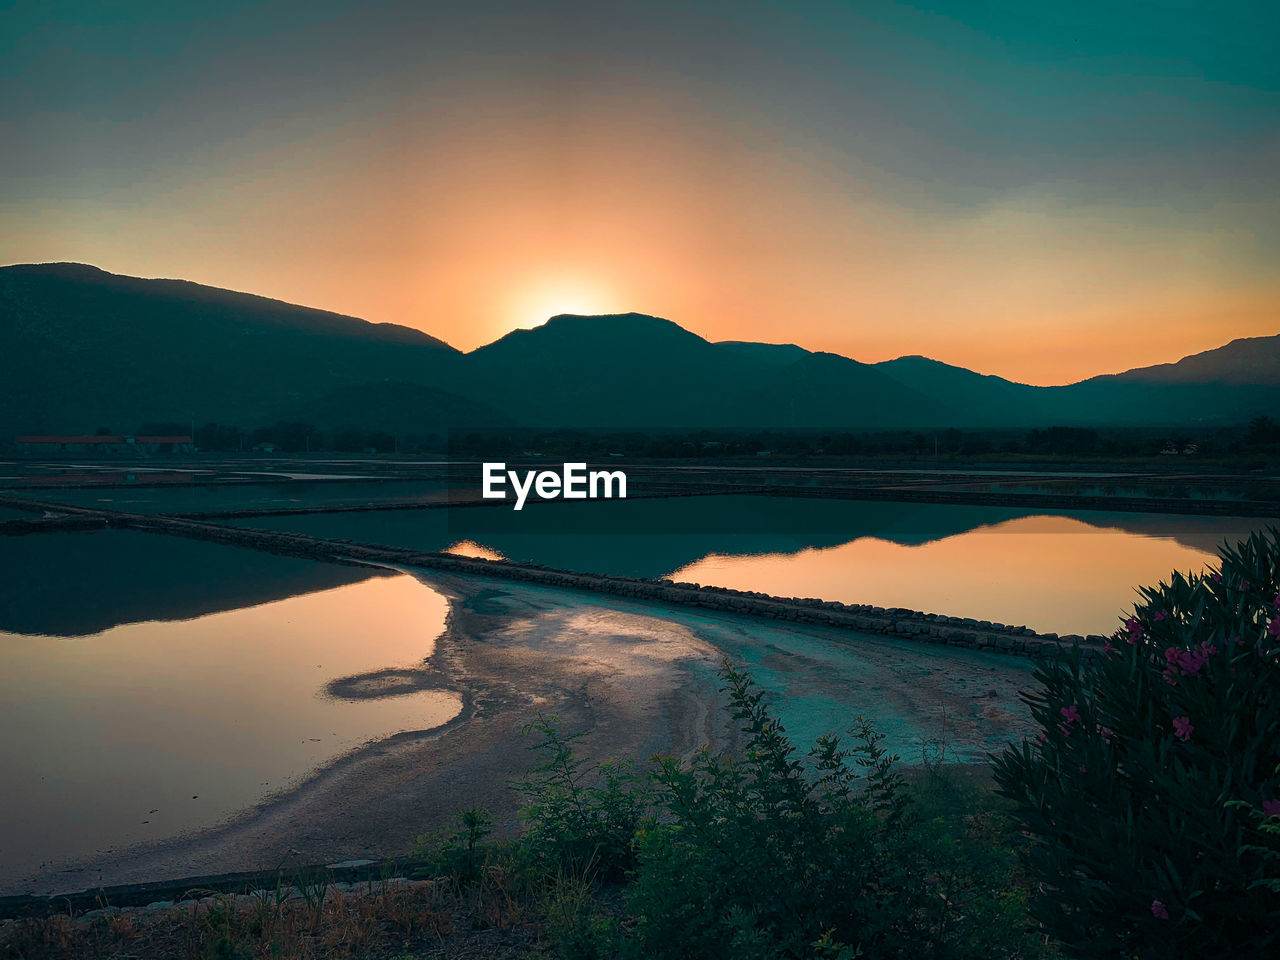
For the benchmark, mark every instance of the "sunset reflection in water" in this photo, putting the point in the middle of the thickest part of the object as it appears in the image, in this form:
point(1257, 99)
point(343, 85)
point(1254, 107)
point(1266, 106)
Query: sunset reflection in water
point(1050, 573)
point(147, 729)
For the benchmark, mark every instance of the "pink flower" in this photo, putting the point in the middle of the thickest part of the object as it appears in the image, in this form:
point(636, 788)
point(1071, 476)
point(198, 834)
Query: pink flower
point(1159, 910)
point(1070, 717)
point(1192, 660)
point(1134, 628)
point(1271, 808)
point(1158, 617)
point(1108, 648)
point(1082, 769)
point(1215, 577)
point(1186, 662)
point(1273, 629)
point(1107, 733)
point(1182, 729)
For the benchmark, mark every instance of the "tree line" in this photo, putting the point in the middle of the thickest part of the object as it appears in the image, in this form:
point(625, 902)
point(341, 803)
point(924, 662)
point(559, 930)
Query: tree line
point(1258, 438)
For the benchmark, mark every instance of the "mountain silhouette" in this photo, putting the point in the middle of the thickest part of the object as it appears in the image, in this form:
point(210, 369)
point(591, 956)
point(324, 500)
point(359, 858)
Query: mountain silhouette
point(80, 348)
point(974, 398)
point(779, 354)
point(628, 370)
point(395, 407)
point(1247, 361)
point(1228, 384)
point(823, 389)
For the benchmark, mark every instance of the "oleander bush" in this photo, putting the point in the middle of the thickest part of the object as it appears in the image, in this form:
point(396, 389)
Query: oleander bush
point(1152, 793)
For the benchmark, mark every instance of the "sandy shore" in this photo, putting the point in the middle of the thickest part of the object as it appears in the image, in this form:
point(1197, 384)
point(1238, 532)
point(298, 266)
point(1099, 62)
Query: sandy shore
point(640, 677)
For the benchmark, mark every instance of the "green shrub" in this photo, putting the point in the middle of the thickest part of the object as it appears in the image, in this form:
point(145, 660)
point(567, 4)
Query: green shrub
point(1148, 789)
point(1268, 819)
point(579, 820)
point(769, 855)
point(576, 927)
point(459, 854)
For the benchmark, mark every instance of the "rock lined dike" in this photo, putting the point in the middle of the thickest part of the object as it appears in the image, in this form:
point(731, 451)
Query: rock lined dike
point(892, 621)
point(103, 901)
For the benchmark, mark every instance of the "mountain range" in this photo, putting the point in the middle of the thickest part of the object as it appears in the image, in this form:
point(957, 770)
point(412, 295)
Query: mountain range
point(82, 348)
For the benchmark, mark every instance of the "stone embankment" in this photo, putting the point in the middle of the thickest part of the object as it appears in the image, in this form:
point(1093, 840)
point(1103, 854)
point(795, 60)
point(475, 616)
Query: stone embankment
point(159, 894)
point(864, 618)
point(22, 526)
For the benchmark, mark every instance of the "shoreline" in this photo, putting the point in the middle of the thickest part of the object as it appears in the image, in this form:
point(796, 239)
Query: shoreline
point(851, 618)
point(640, 677)
point(374, 800)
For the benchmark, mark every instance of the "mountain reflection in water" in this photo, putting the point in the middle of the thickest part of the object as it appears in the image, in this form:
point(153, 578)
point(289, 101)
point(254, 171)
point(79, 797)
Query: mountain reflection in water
point(146, 730)
point(1066, 573)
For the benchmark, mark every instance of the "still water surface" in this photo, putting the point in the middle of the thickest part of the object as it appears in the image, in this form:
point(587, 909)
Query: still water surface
point(154, 685)
point(148, 729)
point(1056, 574)
point(1070, 572)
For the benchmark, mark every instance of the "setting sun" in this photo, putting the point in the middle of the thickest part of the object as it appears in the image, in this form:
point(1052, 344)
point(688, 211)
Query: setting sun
point(534, 305)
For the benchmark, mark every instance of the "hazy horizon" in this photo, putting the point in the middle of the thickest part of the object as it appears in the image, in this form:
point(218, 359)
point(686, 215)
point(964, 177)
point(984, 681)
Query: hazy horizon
point(1012, 376)
point(1058, 191)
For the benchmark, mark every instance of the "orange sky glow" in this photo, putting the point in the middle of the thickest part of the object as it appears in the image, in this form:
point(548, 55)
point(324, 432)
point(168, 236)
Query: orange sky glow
point(760, 192)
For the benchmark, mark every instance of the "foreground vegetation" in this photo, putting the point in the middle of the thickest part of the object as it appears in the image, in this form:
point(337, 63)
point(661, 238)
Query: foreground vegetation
point(1143, 822)
point(760, 853)
point(1153, 790)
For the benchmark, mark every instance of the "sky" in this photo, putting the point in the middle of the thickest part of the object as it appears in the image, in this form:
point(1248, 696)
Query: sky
point(1044, 191)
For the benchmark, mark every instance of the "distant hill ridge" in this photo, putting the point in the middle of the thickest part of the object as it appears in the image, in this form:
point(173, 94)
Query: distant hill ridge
point(1248, 360)
point(81, 348)
point(230, 304)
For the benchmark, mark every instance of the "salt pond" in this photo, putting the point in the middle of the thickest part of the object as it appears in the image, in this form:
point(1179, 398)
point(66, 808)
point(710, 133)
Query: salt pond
point(1065, 572)
point(143, 730)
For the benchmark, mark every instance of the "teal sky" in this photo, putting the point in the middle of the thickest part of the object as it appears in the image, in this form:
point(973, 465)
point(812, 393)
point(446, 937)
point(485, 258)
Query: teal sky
point(1044, 191)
